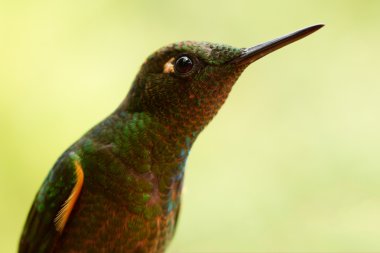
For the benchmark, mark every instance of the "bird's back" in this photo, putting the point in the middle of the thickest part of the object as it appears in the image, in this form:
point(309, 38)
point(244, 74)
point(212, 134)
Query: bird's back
point(130, 199)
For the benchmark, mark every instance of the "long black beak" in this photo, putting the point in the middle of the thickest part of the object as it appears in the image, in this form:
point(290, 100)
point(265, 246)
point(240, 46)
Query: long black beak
point(252, 54)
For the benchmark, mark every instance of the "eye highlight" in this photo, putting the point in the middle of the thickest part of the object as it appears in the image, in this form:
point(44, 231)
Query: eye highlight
point(183, 65)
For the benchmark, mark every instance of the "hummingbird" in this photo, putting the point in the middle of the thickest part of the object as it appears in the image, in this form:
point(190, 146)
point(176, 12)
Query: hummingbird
point(118, 188)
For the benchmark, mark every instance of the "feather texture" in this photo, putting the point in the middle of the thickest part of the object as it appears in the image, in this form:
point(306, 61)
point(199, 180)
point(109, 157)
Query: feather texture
point(64, 214)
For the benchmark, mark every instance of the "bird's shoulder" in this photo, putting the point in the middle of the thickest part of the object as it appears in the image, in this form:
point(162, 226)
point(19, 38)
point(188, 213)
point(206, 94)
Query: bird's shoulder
point(42, 227)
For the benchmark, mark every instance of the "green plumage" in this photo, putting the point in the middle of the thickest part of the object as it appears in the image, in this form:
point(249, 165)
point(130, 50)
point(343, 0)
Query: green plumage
point(133, 162)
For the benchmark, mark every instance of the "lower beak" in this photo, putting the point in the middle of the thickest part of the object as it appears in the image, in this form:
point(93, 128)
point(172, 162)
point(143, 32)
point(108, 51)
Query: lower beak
point(252, 54)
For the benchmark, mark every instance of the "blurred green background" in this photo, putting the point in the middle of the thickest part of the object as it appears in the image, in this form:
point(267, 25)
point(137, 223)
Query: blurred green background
point(290, 164)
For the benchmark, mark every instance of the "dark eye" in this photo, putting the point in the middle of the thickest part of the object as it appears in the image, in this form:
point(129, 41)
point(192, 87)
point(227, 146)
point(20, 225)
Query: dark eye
point(183, 64)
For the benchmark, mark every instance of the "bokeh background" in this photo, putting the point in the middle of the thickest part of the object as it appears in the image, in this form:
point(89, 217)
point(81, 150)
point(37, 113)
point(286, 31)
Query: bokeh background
point(290, 164)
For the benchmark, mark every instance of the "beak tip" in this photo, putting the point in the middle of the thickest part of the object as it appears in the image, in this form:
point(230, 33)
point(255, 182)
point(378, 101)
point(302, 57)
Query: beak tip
point(317, 26)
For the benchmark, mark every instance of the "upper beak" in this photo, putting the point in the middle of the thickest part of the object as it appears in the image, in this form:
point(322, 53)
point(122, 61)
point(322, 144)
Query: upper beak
point(252, 54)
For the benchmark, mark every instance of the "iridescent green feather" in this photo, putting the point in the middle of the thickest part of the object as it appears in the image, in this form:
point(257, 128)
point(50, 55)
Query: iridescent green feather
point(39, 233)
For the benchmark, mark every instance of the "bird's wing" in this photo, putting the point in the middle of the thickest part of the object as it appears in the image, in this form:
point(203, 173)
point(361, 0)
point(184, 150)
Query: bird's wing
point(52, 206)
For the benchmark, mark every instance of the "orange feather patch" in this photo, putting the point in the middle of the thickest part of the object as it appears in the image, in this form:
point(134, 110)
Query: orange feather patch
point(169, 66)
point(63, 214)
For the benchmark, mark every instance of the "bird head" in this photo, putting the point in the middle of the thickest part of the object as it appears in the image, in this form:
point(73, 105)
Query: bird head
point(184, 84)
